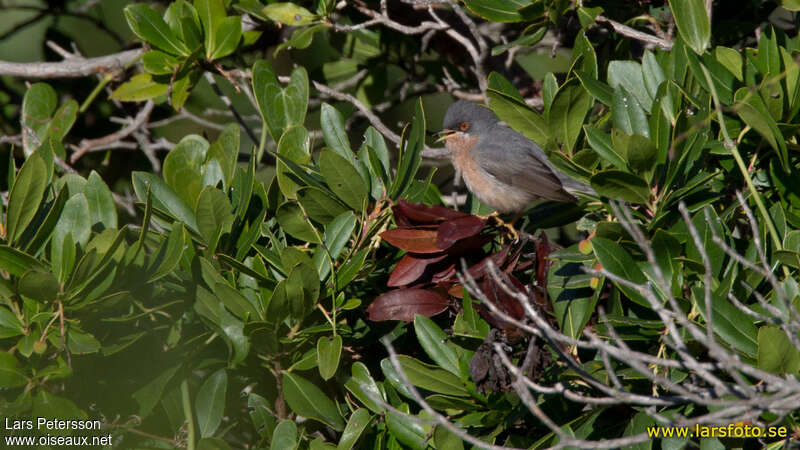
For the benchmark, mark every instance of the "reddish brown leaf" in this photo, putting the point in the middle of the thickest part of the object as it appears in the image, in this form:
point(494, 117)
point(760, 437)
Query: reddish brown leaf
point(407, 213)
point(543, 250)
point(498, 296)
point(452, 231)
point(411, 268)
point(448, 273)
point(479, 270)
point(402, 304)
point(412, 240)
point(456, 290)
point(471, 246)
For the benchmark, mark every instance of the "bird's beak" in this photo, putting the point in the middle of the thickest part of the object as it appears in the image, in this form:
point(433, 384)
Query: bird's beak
point(445, 134)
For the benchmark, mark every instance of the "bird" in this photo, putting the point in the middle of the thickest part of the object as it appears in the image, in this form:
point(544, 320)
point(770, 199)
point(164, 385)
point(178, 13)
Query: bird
point(502, 168)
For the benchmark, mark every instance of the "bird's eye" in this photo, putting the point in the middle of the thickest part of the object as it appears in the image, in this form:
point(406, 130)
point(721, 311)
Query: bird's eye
point(464, 126)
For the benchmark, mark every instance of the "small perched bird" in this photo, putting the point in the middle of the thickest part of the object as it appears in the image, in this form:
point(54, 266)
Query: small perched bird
point(503, 168)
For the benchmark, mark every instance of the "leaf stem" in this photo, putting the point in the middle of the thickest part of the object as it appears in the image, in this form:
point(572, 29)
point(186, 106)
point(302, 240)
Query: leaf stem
point(731, 145)
point(103, 82)
point(187, 411)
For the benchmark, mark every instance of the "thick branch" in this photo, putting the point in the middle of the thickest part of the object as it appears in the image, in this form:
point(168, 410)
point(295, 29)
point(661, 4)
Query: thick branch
point(71, 68)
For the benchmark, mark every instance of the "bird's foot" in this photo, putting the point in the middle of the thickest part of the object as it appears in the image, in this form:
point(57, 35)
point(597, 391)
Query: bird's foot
point(494, 218)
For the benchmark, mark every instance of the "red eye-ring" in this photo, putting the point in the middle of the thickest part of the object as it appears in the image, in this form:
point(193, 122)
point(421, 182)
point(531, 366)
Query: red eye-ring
point(464, 126)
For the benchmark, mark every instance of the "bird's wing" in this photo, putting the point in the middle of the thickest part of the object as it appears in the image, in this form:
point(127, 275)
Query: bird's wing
point(517, 161)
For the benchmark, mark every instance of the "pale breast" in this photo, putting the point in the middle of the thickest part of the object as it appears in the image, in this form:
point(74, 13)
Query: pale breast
point(488, 189)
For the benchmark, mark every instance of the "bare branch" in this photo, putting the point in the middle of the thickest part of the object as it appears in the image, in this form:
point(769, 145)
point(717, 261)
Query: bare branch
point(72, 67)
point(88, 145)
point(635, 34)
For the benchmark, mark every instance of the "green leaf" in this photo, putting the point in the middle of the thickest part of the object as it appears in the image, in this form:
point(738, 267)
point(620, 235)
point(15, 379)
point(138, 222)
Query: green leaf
point(446, 440)
point(182, 167)
point(596, 88)
point(25, 196)
point(288, 13)
point(343, 179)
point(332, 124)
point(159, 63)
point(11, 375)
point(37, 106)
point(149, 395)
point(214, 216)
point(284, 436)
point(776, 353)
point(234, 332)
point(227, 37)
point(621, 185)
point(320, 205)
point(500, 84)
point(364, 387)
point(497, 10)
point(601, 143)
point(566, 114)
point(292, 220)
point(222, 156)
point(168, 255)
point(102, 209)
point(730, 59)
point(519, 116)
point(74, 221)
point(729, 322)
point(628, 74)
point(425, 376)
point(329, 351)
point(706, 227)
point(410, 433)
point(10, 324)
point(210, 402)
point(433, 341)
point(148, 25)
point(62, 121)
point(410, 149)
point(356, 425)
point(791, 5)
point(212, 444)
point(523, 41)
point(639, 151)
point(140, 87)
point(753, 112)
point(211, 13)
point(692, 21)
point(295, 146)
point(40, 286)
point(301, 38)
point(628, 115)
point(618, 261)
point(308, 400)
point(280, 108)
point(163, 197)
point(337, 233)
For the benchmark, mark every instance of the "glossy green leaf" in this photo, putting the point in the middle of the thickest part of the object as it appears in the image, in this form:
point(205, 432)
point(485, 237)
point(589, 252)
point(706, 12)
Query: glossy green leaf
point(227, 37)
point(222, 155)
point(163, 197)
point(519, 116)
point(212, 443)
point(210, 402)
point(285, 436)
point(159, 63)
point(338, 233)
point(410, 433)
point(308, 400)
point(149, 26)
point(621, 185)
point(301, 38)
point(320, 205)
point(211, 13)
point(446, 440)
point(596, 88)
point(497, 10)
point(343, 179)
point(25, 196)
point(411, 147)
point(329, 351)
point(295, 146)
point(618, 261)
point(169, 254)
point(10, 324)
point(427, 376)
point(38, 105)
point(729, 322)
point(40, 286)
point(627, 114)
point(332, 124)
point(279, 107)
point(182, 167)
point(693, 24)
point(601, 143)
point(102, 209)
point(214, 215)
point(434, 341)
point(356, 425)
point(364, 388)
point(628, 74)
point(149, 395)
point(567, 113)
point(288, 13)
point(523, 41)
point(292, 220)
point(753, 112)
point(140, 87)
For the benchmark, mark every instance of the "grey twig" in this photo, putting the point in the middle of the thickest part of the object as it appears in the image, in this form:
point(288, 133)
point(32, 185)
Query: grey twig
point(634, 33)
point(88, 145)
point(72, 67)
